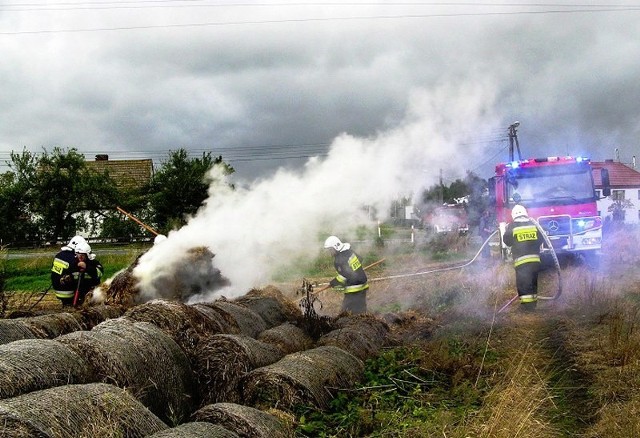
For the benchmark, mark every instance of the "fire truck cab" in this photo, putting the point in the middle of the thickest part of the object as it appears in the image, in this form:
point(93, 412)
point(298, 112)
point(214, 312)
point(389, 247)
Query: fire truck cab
point(559, 193)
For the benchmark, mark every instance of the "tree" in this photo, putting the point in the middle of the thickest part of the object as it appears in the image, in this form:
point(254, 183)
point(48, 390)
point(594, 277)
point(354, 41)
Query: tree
point(54, 189)
point(179, 188)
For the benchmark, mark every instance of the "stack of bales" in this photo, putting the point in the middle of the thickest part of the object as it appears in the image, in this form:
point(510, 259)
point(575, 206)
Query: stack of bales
point(142, 358)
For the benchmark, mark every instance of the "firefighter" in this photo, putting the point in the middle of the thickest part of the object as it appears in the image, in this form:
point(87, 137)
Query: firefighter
point(90, 271)
point(525, 241)
point(65, 264)
point(351, 279)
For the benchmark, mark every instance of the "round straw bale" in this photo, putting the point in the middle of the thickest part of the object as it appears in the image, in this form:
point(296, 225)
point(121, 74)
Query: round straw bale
point(271, 305)
point(287, 337)
point(361, 335)
point(72, 411)
point(246, 421)
point(181, 322)
point(32, 364)
point(52, 325)
point(196, 429)
point(209, 313)
point(302, 378)
point(142, 358)
point(91, 316)
point(222, 360)
point(244, 319)
point(13, 330)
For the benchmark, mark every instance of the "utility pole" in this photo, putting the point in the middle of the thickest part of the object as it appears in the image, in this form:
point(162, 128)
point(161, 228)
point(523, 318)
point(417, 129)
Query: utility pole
point(441, 189)
point(513, 139)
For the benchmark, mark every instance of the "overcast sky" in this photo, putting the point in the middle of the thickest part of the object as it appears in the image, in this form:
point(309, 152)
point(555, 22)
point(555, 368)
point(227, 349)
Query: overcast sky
point(270, 84)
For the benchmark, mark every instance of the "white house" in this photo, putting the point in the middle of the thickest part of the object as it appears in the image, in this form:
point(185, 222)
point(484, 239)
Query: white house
point(624, 182)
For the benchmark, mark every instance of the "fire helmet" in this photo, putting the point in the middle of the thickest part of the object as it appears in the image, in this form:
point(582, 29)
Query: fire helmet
point(83, 248)
point(75, 241)
point(334, 243)
point(518, 211)
point(159, 239)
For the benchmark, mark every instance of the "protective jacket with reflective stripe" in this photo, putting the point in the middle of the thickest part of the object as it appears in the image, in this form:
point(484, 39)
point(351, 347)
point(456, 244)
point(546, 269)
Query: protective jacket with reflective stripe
point(525, 240)
point(351, 276)
point(64, 265)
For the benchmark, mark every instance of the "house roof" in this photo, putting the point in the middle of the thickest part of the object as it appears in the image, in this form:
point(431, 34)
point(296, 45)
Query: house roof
point(127, 174)
point(620, 175)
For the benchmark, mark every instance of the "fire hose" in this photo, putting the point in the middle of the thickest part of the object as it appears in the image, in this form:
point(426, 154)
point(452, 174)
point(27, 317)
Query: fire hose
point(312, 296)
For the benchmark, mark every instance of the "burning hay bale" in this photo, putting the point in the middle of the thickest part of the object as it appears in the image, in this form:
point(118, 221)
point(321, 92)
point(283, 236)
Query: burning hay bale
point(121, 290)
point(271, 305)
point(226, 326)
point(241, 319)
point(196, 429)
point(302, 378)
point(222, 360)
point(361, 335)
point(34, 364)
point(12, 330)
point(287, 337)
point(246, 421)
point(73, 411)
point(183, 323)
point(142, 358)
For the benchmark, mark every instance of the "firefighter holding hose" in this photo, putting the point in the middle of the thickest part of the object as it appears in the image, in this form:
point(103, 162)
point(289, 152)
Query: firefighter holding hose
point(525, 241)
point(351, 279)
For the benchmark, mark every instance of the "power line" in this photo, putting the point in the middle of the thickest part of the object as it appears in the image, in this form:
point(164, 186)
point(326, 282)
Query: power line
point(323, 19)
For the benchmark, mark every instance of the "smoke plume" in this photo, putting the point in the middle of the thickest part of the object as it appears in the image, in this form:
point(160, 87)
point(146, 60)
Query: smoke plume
point(261, 227)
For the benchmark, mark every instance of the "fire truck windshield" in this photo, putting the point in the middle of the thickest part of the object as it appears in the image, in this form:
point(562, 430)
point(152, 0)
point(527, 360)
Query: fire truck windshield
point(551, 185)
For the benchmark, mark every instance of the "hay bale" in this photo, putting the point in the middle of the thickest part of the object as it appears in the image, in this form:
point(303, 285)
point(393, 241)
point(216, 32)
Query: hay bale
point(302, 378)
point(33, 364)
point(196, 429)
point(248, 422)
point(225, 325)
point(271, 305)
point(242, 319)
point(287, 337)
point(52, 325)
point(142, 358)
point(13, 330)
point(222, 360)
point(73, 411)
point(361, 335)
point(183, 323)
point(91, 316)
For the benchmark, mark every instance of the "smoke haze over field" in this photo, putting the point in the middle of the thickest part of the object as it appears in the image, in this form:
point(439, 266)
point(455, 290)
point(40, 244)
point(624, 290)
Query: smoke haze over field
point(254, 231)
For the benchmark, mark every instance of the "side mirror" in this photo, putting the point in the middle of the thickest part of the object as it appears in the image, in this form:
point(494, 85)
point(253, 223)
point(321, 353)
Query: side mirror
point(606, 186)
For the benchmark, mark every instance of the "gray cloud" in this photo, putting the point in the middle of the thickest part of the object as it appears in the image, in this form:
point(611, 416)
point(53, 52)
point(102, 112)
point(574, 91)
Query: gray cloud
point(569, 78)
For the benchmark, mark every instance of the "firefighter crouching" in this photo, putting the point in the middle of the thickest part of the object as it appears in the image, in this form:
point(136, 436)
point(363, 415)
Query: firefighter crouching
point(351, 279)
point(63, 270)
point(525, 240)
point(90, 271)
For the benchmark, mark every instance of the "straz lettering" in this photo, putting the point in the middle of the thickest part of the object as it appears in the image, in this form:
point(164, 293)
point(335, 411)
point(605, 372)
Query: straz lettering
point(526, 235)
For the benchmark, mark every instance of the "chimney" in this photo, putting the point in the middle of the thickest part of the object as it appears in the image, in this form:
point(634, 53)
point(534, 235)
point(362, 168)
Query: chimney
point(633, 162)
point(102, 157)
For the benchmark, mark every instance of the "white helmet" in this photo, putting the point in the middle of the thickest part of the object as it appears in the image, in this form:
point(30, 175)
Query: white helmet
point(334, 243)
point(75, 241)
point(518, 211)
point(83, 248)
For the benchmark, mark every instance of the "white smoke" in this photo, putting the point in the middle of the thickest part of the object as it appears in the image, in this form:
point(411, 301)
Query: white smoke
point(256, 230)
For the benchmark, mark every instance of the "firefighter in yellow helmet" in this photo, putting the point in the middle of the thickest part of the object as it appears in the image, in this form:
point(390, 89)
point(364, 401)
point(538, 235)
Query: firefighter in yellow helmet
point(525, 241)
point(351, 279)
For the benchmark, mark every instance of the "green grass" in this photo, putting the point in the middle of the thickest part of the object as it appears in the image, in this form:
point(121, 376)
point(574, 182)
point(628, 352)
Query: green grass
point(32, 274)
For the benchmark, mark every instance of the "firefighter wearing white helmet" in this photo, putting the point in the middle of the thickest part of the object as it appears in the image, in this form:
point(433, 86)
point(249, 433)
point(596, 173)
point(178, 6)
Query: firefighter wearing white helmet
point(525, 240)
point(351, 279)
point(90, 271)
point(65, 264)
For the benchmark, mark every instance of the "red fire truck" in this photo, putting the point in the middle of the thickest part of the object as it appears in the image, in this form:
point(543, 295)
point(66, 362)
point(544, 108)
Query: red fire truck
point(559, 193)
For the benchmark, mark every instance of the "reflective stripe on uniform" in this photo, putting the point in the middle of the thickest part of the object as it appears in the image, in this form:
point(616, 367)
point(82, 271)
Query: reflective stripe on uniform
point(356, 288)
point(528, 298)
point(341, 279)
point(529, 258)
point(65, 293)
